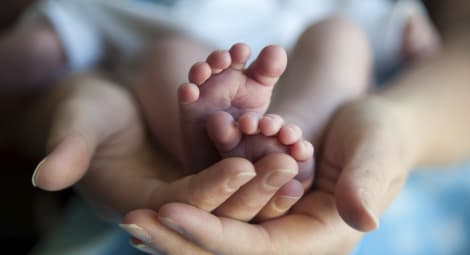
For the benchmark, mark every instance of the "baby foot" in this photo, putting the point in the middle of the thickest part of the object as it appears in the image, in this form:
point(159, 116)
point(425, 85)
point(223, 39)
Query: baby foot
point(253, 138)
point(221, 83)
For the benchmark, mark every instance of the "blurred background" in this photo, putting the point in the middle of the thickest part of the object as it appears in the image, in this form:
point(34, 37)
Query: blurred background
point(25, 212)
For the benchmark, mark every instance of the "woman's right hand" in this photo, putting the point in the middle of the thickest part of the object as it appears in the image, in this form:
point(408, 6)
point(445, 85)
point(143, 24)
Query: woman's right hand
point(98, 141)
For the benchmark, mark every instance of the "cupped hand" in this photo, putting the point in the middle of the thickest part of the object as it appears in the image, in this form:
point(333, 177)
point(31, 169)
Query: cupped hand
point(367, 153)
point(98, 141)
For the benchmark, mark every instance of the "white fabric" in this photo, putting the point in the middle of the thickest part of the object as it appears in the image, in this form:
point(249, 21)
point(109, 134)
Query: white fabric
point(89, 27)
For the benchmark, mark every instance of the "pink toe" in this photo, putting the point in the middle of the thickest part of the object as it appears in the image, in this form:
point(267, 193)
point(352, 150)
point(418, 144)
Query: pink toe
point(199, 73)
point(302, 150)
point(289, 134)
point(240, 53)
point(219, 60)
point(222, 131)
point(270, 124)
point(269, 65)
point(188, 93)
point(248, 123)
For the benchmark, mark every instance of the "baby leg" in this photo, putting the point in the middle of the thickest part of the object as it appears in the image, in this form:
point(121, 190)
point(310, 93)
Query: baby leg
point(164, 68)
point(330, 65)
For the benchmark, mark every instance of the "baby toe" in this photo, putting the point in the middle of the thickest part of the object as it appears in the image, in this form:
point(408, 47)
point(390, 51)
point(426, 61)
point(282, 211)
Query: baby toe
point(188, 93)
point(269, 65)
point(270, 124)
point(248, 123)
point(199, 73)
point(239, 53)
point(289, 134)
point(219, 60)
point(302, 150)
point(222, 130)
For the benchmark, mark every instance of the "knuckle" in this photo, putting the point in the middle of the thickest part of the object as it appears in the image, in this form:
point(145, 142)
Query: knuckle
point(197, 196)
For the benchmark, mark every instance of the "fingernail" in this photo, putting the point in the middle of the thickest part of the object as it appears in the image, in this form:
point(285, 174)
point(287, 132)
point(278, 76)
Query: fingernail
point(235, 182)
point(366, 204)
point(36, 171)
point(137, 232)
point(279, 177)
point(171, 224)
point(144, 248)
point(283, 203)
point(373, 217)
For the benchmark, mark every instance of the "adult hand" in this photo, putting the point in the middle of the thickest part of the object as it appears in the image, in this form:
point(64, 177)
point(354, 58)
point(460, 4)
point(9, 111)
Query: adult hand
point(369, 151)
point(98, 140)
point(366, 157)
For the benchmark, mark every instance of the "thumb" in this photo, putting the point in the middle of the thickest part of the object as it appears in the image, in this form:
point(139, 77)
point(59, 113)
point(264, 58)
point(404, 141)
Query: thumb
point(372, 176)
point(80, 125)
point(66, 163)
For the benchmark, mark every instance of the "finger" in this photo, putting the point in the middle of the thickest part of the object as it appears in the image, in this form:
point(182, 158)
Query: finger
point(282, 201)
point(88, 116)
point(369, 181)
point(146, 187)
point(331, 235)
point(218, 235)
point(155, 236)
point(291, 234)
point(64, 165)
point(207, 189)
point(273, 171)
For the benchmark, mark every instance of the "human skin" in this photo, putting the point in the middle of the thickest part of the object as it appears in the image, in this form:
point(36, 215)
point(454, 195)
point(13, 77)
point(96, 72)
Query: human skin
point(387, 135)
point(97, 138)
point(327, 92)
point(459, 75)
point(327, 89)
point(393, 131)
point(222, 107)
point(78, 110)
